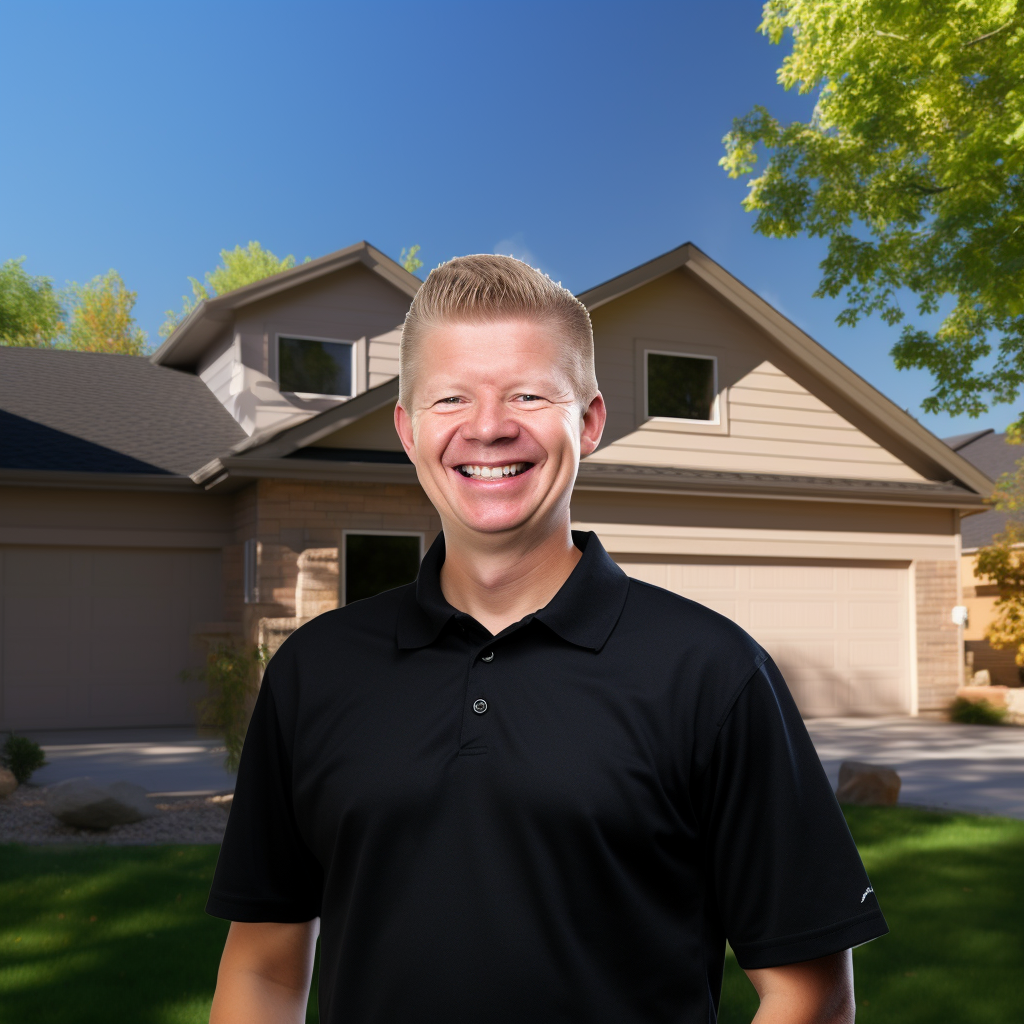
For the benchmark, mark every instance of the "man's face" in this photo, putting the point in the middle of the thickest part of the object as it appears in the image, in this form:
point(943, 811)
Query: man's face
point(495, 430)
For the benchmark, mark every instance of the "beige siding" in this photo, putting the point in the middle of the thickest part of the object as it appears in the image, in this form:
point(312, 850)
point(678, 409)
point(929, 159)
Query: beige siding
point(382, 361)
point(664, 525)
point(354, 305)
point(770, 422)
point(938, 638)
point(375, 431)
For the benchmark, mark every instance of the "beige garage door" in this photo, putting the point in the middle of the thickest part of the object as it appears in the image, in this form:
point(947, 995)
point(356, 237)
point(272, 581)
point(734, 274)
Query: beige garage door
point(840, 634)
point(95, 637)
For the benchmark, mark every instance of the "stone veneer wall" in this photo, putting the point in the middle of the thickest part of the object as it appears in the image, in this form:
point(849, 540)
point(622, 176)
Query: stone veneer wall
point(937, 587)
point(289, 517)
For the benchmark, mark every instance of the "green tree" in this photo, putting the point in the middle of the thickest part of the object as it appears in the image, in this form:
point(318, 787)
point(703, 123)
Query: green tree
point(101, 317)
point(911, 167)
point(410, 260)
point(238, 268)
point(30, 310)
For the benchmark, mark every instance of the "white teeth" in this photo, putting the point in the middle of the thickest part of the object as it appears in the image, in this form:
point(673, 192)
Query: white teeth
point(492, 472)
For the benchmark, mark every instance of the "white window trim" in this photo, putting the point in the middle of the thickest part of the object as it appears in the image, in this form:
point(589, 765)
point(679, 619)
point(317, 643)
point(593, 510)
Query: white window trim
point(343, 568)
point(716, 417)
point(302, 336)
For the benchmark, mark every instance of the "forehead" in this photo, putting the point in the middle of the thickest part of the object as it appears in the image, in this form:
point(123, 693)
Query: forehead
point(491, 349)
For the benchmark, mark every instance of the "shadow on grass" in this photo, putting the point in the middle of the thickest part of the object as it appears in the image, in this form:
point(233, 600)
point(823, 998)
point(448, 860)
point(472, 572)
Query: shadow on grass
point(949, 886)
point(107, 933)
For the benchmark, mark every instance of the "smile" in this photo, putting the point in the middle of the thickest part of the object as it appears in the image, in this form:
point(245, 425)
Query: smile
point(493, 472)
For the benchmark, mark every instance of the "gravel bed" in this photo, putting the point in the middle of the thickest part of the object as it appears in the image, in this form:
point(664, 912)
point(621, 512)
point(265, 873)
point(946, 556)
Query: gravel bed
point(25, 819)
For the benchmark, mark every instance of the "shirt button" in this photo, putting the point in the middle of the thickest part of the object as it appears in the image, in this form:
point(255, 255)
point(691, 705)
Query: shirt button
point(489, 656)
point(480, 706)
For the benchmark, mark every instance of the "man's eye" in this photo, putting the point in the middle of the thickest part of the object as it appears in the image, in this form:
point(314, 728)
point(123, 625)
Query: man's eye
point(450, 401)
point(530, 398)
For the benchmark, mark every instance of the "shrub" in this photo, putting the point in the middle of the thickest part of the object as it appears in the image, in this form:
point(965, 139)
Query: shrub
point(22, 756)
point(232, 675)
point(976, 712)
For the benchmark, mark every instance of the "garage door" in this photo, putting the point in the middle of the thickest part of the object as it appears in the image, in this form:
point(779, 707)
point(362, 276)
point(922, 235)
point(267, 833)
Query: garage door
point(95, 637)
point(840, 634)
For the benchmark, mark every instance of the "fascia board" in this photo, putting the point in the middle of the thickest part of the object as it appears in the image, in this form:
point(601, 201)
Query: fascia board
point(635, 481)
point(230, 473)
point(595, 297)
point(95, 481)
point(835, 373)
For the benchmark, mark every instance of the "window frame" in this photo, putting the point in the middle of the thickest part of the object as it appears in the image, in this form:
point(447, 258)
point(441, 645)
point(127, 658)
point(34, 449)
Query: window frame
point(301, 336)
point(343, 554)
point(716, 412)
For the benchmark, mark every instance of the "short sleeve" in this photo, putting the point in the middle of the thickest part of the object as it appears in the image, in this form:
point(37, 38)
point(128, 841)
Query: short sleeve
point(787, 878)
point(265, 872)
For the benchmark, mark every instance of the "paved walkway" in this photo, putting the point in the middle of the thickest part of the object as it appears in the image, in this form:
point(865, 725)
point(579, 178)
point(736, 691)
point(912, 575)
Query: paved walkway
point(977, 768)
point(168, 761)
point(958, 767)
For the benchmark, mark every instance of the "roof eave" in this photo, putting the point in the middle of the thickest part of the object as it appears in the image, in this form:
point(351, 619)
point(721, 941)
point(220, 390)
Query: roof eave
point(184, 346)
point(799, 345)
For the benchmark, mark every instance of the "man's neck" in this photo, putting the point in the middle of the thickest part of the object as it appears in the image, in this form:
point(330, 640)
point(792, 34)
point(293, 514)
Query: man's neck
point(503, 583)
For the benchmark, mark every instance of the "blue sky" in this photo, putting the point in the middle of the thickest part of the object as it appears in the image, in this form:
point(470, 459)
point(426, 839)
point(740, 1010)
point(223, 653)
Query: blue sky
point(583, 137)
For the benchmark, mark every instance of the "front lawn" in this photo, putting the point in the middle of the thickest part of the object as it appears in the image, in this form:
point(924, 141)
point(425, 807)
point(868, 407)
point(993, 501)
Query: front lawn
point(102, 934)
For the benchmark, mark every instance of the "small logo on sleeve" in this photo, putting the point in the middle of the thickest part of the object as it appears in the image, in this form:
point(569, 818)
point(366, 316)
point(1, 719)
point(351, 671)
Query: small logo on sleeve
point(866, 891)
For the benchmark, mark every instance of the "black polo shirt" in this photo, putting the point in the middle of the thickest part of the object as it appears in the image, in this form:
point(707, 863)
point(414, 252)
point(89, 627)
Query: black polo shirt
point(560, 823)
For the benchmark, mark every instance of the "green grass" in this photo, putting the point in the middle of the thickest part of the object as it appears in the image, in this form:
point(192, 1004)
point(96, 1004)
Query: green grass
point(111, 934)
point(950, 888)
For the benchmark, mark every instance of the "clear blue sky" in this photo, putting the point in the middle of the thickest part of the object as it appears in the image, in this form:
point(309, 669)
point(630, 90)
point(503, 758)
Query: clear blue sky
point(583, 137)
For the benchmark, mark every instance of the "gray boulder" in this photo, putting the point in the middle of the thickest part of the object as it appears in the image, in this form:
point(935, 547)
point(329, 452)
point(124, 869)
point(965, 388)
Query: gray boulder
point(8, 783)
point(85, 803)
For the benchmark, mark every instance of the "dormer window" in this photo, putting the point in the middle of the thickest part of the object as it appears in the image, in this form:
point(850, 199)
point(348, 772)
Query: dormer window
point(315, 366)
point(682, 387)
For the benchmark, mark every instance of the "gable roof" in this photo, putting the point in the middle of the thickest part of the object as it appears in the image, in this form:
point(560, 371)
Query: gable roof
point(94, 413)
point(909, 439)
point(994, 456)
point(190, 338)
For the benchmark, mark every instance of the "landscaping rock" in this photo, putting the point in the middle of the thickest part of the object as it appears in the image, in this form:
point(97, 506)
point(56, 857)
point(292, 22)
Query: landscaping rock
point(872, 784)
point(87, 804)
point(8, 783)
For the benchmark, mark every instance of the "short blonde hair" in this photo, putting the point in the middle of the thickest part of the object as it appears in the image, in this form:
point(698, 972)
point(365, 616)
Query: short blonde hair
point(485, 289)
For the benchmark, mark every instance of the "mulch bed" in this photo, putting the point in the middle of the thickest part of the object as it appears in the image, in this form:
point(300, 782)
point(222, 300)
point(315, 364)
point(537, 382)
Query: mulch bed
point(25, 819)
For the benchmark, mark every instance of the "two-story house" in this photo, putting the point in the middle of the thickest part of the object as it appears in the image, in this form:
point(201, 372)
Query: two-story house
point(247, 476)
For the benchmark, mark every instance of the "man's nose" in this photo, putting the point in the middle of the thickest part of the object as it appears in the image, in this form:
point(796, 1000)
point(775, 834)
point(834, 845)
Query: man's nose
point(490, 420)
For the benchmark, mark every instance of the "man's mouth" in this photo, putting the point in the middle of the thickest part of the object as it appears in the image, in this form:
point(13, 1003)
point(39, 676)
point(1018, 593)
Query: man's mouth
point(494, 472)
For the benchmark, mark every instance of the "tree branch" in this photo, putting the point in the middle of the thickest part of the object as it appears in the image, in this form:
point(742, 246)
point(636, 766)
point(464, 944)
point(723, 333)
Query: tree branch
point(987, 35)
point(892, 35)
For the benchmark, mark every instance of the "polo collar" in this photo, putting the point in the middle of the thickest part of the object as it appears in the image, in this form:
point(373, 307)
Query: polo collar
point(583, 612)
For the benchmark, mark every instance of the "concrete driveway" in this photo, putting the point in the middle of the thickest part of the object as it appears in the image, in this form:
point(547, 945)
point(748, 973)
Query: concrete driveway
point(956, 767)
point(977, 768)
point(174, 762)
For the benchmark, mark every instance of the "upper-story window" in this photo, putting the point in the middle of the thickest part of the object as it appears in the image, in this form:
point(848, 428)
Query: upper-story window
point(682, 387)
point(315, 366)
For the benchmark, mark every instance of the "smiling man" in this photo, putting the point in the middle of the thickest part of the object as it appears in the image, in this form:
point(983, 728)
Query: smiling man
point(527, 789)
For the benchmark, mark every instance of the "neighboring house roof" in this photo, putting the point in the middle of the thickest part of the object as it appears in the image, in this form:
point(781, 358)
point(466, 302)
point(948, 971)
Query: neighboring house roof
point(994, 456)
point(183, 348)
point(92, 413)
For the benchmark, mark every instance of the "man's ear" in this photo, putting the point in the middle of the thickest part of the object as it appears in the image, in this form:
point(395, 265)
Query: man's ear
point(592, 425)
point(403, 425)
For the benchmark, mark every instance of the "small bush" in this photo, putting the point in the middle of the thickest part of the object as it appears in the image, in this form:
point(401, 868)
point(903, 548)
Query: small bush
point(232, 675)
point(975, 712)
point(22, 757)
